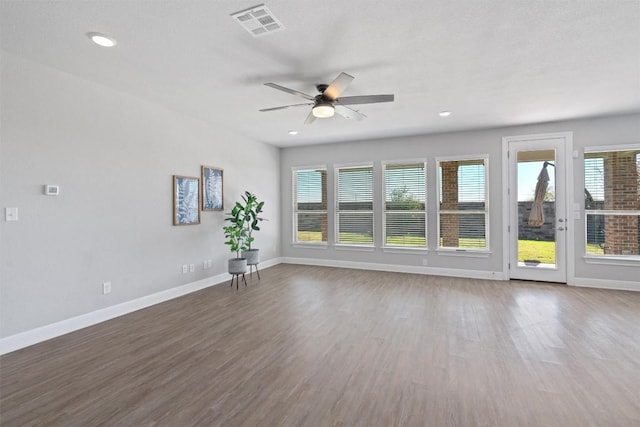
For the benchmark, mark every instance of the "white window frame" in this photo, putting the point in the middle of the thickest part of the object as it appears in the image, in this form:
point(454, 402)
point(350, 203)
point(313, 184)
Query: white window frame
point(294, 207)
point(446, 250)
point(403, 248)
point(338, 244)
point(630, 260)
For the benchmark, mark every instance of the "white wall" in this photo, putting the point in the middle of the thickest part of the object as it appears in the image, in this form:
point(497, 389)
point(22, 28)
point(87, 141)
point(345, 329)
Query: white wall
point(113, 157)
point(622, 129)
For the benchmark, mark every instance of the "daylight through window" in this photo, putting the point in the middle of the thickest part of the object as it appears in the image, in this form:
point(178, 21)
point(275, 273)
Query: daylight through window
point(354, 205)
point(405, 205)
point(463, 205)
point(612, 202)
point(310, 205)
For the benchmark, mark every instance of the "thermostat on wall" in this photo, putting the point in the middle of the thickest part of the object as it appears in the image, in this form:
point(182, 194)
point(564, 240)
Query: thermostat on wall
point(51, 190)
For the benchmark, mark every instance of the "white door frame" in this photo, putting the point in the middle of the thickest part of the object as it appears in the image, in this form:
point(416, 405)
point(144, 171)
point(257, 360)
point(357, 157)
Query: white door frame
point(571, 207)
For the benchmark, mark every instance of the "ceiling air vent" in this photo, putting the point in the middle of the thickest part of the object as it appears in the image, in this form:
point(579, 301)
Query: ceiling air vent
point(258, 20)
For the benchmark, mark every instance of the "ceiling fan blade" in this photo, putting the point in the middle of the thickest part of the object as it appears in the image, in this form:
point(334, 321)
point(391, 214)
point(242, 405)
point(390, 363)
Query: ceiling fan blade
point(365, 99)
point(337, 86)
point(286, 106)
point(291, 91)
point(349, 113)
point(310, 118)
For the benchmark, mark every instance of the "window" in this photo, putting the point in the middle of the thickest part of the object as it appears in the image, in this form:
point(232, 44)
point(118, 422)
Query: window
point(354, 205)
point(463, 206)
point(404, 205)
point(612, 202)
point(310, 205)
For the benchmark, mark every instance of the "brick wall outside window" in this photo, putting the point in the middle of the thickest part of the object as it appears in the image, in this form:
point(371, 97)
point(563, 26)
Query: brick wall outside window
point(619, 209)
point(449, 223)
point(463, 209)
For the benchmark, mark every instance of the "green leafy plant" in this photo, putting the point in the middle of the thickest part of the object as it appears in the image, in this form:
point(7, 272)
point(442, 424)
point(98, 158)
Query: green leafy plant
point(252, 209)
point(245, 219)
point(236, 232)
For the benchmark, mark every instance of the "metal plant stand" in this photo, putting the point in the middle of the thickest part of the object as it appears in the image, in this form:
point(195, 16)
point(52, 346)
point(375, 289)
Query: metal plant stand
point(251, 270)
point(237, 277)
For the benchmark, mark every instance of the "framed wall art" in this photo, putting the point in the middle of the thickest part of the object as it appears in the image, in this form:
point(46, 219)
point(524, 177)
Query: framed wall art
point(212, 189)
point(186, 200)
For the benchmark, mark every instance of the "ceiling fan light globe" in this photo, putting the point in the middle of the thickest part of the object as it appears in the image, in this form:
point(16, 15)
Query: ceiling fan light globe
point(323, 111)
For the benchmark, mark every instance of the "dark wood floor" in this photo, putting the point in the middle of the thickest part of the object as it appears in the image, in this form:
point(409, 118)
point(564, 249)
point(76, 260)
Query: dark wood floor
point(321, 346)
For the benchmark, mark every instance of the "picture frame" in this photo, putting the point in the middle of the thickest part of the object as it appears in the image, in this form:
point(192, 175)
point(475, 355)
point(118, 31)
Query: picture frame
point(212, 188)
point(186, 200)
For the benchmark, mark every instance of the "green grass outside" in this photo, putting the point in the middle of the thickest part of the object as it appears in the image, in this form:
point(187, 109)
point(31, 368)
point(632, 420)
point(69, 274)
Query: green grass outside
point(316, 236)
point(412, 241)
point(467, 243)
point(595, 249)
point(309, 236)
point(536, 250)
point(357, 238)
point(545, 252)
point(541, 251)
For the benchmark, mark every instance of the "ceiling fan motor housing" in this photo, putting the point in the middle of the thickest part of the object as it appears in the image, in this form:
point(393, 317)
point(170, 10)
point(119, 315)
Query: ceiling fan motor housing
point(320, 99)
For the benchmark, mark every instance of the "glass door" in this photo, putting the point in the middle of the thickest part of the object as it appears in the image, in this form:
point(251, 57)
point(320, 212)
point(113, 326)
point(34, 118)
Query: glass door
point(538, 220)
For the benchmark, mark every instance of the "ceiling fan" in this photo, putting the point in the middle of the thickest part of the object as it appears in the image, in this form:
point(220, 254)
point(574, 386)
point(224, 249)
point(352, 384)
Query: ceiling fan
point(327, 102)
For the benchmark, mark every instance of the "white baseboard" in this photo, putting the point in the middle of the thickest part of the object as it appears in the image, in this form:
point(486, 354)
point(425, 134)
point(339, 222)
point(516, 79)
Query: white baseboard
point(395, 268)
point(619, 285)
point(43, 333)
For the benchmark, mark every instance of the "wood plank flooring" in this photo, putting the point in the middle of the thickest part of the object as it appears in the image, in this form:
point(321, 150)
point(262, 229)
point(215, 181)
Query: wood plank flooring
point(315, 346)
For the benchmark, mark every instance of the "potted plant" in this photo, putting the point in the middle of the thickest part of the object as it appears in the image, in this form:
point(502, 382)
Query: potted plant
point(252, 208)
point(236, 235)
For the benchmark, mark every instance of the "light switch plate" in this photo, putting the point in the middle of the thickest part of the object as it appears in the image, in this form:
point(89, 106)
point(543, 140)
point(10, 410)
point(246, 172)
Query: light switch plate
point(576, 211)
point(11, 214)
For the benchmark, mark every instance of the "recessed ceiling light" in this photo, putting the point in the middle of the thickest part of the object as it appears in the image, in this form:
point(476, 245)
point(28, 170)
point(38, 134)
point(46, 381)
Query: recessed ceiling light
point(293, 132)
point(445, 113)
point(102, 40)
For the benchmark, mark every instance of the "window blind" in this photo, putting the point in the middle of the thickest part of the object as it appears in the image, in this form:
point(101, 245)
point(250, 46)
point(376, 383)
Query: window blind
point(354, 205)
point(310, 205)
point(405, 205)
point(612, 202)
point(463, 208)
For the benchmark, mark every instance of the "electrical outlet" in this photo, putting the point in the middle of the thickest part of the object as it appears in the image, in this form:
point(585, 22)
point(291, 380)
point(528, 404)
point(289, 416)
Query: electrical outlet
point(205, 265)
point(425, 261)
point(185, 269)
point(106, 288)
point(192, 268)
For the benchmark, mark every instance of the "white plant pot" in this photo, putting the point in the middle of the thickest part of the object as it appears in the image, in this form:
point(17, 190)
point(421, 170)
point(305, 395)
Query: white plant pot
point(252, 256)
point(237, 265)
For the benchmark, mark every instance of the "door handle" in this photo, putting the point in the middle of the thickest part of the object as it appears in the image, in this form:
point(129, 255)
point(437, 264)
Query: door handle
point(560, 228)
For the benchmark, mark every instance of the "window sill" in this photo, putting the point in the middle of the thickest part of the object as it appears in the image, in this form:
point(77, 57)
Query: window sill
point(613, 260)
point(404, 250)
point(345, 247)
point(319, 245)
point(464, 253)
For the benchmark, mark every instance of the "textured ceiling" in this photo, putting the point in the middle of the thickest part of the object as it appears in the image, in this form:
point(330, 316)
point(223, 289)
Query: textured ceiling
point(492, 63)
